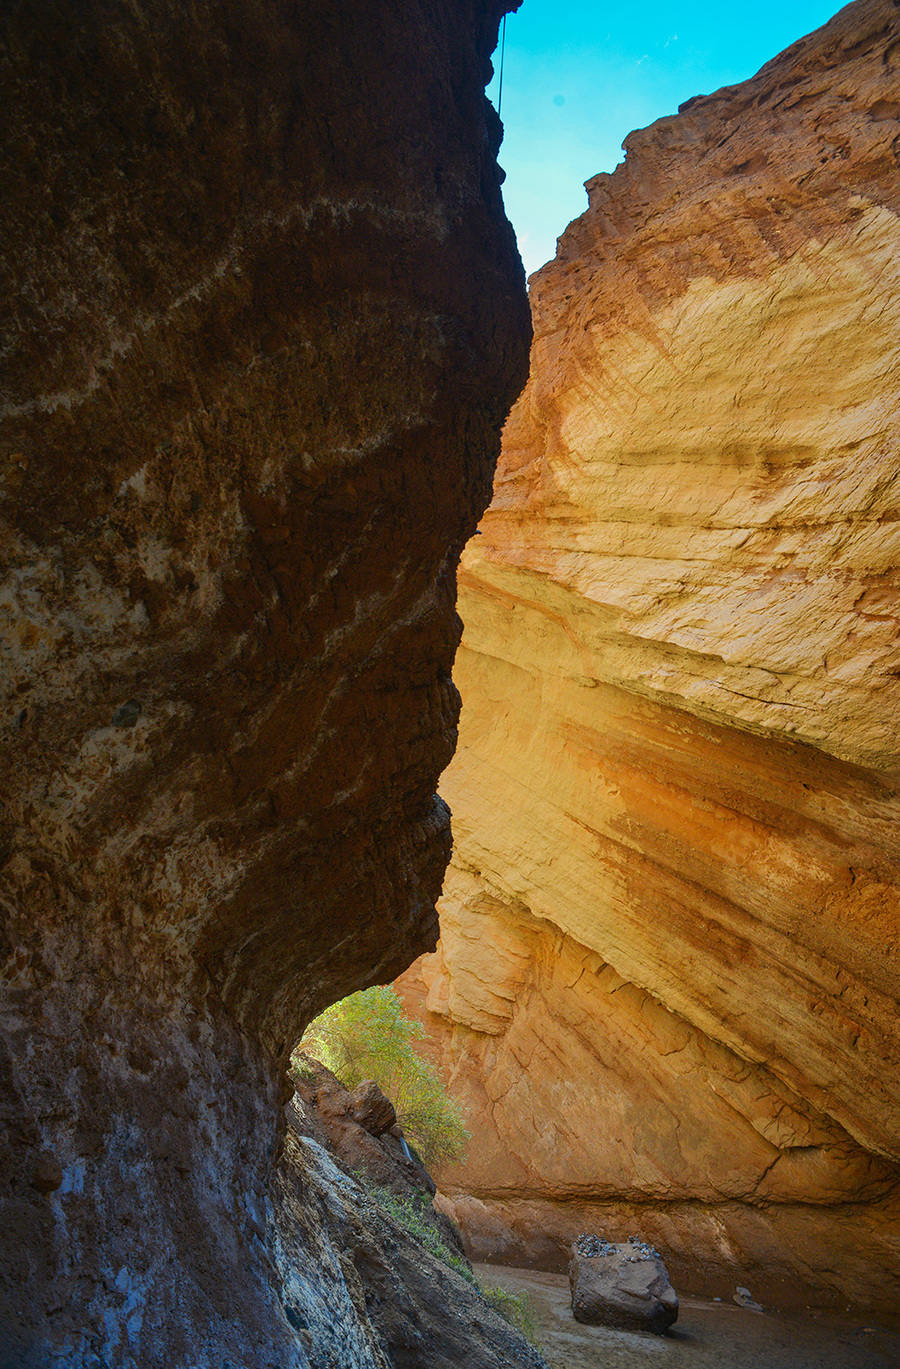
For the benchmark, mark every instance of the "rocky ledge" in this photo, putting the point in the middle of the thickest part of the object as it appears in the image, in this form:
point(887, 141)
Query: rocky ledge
point(370, 1282)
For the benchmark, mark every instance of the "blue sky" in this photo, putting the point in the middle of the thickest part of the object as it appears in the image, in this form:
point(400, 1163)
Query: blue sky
point(579, 76)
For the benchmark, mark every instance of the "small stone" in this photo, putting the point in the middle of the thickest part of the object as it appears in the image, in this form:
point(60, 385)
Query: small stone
point(127, 714)
point(371, 1109)
point(47, 1175)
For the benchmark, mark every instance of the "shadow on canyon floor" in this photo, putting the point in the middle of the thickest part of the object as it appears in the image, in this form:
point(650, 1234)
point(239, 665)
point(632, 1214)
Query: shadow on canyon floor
point(708, 1335)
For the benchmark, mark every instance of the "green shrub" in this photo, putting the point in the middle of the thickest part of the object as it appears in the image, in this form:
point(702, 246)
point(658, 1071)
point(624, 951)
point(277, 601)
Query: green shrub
point(368, 1036)
point(301, 1069)
point(516, 1308)
point(411, 1214)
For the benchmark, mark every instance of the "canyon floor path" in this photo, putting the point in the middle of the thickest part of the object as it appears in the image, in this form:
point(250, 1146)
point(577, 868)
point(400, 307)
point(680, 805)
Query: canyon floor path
point(708, 1335)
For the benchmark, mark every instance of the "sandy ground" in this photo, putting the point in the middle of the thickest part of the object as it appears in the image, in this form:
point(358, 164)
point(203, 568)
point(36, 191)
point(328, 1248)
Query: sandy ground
point(707, 1335)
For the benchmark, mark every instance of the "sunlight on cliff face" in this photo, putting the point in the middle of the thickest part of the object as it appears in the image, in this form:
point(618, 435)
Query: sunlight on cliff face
point(666, 986)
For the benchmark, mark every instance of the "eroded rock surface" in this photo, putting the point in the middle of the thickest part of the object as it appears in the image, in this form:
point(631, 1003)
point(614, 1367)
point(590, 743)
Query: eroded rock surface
point(667, 984)
point(625, 1285)
point(362, 1148)
point(263, 319)
point(361, 1288)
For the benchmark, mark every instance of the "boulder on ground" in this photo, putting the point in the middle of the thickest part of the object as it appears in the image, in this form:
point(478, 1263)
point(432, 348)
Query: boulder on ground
point(624, 1285)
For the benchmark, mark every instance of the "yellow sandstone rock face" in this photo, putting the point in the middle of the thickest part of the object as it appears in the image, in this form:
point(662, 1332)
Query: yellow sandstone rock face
point(667, 982)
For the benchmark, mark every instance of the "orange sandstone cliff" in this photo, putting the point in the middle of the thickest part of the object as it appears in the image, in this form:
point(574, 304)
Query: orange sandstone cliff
point(667, 986)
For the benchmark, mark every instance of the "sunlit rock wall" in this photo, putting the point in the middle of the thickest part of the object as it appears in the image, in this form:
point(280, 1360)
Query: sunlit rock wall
point(263, 321)
point(667, 987)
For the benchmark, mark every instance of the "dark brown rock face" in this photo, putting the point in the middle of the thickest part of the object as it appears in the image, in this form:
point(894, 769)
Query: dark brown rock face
point(265, 318)
point(383, 1162)
point(371, 1109)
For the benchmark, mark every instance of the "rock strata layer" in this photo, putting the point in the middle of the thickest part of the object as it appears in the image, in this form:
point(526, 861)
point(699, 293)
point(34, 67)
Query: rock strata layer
point(667, 983)
point(263, 320)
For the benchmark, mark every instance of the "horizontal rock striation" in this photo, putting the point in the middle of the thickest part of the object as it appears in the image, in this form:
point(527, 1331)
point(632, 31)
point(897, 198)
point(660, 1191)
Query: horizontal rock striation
point(667, 985)
point(263, 320)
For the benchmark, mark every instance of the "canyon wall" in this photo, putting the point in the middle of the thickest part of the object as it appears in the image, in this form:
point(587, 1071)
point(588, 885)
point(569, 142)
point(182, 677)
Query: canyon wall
point(263, 320)
point(667, 986)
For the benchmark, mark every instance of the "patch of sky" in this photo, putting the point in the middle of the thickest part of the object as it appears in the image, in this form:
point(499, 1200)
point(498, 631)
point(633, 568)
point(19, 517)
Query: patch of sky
point(579, 76)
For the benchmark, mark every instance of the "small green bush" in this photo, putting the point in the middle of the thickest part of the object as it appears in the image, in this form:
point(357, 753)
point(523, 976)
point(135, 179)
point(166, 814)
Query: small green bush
point(368, 1036)
point(411, 1215)
point(301, 1069)
point(516, 1308)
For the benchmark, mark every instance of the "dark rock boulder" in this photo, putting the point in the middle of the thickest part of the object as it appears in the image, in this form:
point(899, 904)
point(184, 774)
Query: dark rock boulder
point(371, 1109)
point(624, 1285)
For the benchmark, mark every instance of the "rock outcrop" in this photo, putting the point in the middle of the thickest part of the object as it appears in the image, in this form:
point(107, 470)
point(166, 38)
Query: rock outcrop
point(359, 1141)
point(263, 320)
point(667, 986)
point(365, 1287)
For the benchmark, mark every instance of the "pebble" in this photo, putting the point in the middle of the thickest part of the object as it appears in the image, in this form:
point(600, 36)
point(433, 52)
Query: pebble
point(589, 1246)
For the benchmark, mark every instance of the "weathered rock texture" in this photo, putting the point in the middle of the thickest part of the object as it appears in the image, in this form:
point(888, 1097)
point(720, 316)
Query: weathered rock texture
point(667, 987)
point(625, 1285)
point(263, 321)
point(357, 1139)
point(362, 1288)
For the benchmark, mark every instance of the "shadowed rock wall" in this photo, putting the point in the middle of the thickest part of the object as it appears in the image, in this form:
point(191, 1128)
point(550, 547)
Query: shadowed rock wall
point(264, 319)
point(393, 1303)
point(667, 985)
